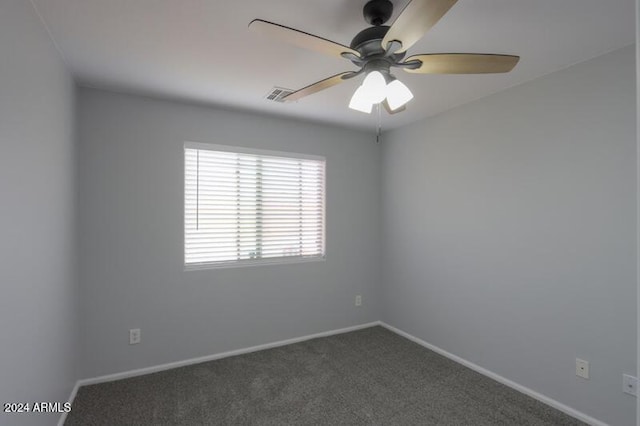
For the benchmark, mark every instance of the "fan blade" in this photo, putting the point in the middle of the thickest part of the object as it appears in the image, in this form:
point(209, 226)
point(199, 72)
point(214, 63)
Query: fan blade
point(390, 111)
point(414, 21)
point(462, 63)
point(300, 38)
point(318, 86)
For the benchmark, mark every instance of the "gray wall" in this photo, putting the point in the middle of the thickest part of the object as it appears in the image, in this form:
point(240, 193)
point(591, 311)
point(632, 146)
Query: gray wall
point(638, 189)
point(38, 298)
point(131, 244)
point(509, 227)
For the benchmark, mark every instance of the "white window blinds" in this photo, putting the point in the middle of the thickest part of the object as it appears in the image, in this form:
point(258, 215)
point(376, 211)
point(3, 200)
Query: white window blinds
point(252, 206)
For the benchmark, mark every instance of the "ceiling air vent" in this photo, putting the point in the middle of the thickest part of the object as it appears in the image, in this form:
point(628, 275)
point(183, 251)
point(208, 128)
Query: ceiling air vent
point(277, 94)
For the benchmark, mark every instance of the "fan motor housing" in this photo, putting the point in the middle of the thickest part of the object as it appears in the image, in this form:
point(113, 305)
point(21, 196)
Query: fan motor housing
point(369, 43)
point(365, 38)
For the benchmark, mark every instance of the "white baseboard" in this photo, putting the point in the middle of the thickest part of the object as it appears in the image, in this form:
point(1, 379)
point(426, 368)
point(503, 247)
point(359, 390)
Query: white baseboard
point(498, 378)
point(191, 361)
point(72, 396)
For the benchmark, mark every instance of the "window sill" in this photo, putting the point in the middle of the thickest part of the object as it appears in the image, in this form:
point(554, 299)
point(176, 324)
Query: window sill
point(249, 263)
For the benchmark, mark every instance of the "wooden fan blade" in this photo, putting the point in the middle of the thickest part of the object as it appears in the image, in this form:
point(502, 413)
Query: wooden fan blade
point(414, 21)
point(462, 63)
point(390, 111)
point(318, 86)
point(300, 38)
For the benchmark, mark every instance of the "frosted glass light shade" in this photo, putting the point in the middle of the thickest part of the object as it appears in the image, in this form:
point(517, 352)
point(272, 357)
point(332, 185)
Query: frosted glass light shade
point(376, 87)
point(397, 94)
point(360, 101)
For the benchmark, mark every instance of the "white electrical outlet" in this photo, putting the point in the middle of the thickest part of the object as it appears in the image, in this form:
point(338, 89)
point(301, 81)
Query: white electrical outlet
point(582, 368)
point(630, 384)
point(358, 300)
point(134, 336)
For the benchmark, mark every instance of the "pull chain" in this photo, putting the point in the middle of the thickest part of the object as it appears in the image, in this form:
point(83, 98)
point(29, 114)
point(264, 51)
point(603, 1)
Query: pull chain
point(379, 129)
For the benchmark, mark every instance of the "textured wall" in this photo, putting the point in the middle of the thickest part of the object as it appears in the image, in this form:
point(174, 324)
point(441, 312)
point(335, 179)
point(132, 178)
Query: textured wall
point(509, 227)
point(131, 211)
point(38, 293)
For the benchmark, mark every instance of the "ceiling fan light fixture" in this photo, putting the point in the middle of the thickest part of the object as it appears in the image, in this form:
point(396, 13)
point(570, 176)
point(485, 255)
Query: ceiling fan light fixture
point(360, 101)
point(374, 89)
point(398, 94)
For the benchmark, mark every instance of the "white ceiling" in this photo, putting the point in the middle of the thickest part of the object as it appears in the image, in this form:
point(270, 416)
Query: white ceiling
point(202, 51)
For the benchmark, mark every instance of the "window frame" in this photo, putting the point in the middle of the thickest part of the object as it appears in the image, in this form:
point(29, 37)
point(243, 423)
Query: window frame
point(283, 260)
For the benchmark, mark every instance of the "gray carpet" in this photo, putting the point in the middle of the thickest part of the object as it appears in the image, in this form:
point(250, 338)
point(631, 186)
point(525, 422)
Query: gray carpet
point(367, 377)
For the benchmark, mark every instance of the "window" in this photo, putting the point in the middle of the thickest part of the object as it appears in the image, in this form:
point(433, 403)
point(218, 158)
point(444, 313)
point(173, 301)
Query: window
point(245, 207)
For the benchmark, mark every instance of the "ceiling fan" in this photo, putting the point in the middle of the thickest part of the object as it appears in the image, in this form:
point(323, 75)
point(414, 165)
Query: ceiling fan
point(377, 49)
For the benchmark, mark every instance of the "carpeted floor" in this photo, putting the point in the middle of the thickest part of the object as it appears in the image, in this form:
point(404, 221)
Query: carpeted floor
point(367, 377)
